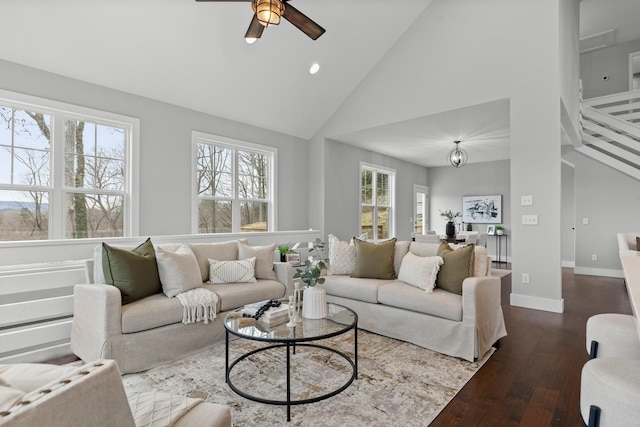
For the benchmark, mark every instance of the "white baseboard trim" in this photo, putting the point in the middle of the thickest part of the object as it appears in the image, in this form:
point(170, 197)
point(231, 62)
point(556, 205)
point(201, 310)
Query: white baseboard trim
point(605, 272)
point(537, 303)
point(569, 264)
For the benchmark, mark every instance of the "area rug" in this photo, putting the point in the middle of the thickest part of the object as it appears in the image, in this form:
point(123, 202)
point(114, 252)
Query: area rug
point(398, 383)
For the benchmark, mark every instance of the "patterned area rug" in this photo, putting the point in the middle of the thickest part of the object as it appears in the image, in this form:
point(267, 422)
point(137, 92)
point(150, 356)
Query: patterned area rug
point(398, 383)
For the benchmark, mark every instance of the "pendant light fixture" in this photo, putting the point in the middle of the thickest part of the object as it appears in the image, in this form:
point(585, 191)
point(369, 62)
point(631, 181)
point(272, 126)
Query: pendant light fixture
point(458, 157)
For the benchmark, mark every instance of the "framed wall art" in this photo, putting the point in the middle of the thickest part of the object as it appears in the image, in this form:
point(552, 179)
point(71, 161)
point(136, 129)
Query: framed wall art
point(482, 209)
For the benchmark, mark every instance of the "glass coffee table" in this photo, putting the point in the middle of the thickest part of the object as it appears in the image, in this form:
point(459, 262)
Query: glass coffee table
point(339, 321)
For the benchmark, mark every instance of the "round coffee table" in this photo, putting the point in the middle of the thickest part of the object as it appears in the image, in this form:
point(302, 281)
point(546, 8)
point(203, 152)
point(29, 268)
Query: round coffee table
point(339, 321)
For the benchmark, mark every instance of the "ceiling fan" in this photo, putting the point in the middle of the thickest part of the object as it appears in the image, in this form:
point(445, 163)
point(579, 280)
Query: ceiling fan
point(268, 12)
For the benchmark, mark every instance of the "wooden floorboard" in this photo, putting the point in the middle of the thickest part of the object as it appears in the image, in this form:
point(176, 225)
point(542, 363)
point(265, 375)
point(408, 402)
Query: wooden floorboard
point(533, 379)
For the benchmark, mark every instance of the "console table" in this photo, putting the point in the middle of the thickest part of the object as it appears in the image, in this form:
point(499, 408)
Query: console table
point(499, 248)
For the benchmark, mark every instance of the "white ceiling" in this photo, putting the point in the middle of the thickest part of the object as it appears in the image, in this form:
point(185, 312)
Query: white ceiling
point(193, 54)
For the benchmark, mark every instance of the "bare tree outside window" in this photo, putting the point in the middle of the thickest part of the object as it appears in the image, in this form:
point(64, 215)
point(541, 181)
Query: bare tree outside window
point(231, 180)
point(94, 176)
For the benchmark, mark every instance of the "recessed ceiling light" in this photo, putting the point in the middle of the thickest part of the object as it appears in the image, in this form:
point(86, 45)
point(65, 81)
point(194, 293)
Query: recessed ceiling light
point(314, 68)
point(250, 40)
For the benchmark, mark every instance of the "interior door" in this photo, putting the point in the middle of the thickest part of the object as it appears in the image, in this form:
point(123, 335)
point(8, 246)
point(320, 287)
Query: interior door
point(420, 209)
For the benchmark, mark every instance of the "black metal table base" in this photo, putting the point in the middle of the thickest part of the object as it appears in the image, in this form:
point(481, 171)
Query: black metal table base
point(289, 347)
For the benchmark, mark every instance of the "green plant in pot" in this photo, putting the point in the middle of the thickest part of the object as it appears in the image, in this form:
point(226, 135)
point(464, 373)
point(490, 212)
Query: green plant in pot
point(311, 273)
point(499, 230)
point(284, 250)
point(314, 305)
point(450, 229)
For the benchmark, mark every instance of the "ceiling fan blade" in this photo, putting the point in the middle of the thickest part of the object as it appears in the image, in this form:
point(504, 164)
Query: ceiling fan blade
point(255, 29)
point(303, 22)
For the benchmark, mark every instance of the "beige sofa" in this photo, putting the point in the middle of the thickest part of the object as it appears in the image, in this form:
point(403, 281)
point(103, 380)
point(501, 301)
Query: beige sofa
point(149, 332)
point(627, 243)
point(33, 394)
point(464, 326)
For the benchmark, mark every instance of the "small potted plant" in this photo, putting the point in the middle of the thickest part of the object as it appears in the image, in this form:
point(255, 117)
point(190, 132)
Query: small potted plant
point(284, 250)
point(450, 216)
point(314, 304)
point(499, 230)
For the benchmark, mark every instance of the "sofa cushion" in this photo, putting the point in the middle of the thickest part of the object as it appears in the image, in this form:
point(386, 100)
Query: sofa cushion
point(439, 303)
point(178, 269)
point(222, 251)
point(236, 295)
point(264, 259)
point(9, 397)
point(342, 256)
point(237, 271)
point(98, 273)
point(134, 272)
point(354, 288)
point(151, 312)
point(420, 271)
point(375, 260)
point(400, 250)
point(458, 265)
point(31, 376)
point(424, 248)
point(481, 265)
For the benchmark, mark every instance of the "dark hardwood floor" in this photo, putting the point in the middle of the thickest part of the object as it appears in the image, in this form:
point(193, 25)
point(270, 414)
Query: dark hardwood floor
point(533, 379)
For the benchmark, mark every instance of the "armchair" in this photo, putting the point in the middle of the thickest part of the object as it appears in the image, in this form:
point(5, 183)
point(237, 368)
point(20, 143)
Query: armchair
point(35, 394)
point(610, 381)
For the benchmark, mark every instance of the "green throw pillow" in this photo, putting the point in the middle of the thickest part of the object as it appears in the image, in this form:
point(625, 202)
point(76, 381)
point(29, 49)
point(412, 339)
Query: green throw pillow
point(134, 272)
point(458, 265)
point(374, 260)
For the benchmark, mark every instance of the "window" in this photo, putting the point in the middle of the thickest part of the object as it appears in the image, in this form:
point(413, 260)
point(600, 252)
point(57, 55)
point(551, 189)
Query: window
point(64, 171)
point(377, 188)
point(234, 189)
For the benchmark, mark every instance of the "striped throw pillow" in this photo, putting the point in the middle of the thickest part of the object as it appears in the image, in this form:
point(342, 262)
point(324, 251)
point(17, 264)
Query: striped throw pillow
point(242, 271)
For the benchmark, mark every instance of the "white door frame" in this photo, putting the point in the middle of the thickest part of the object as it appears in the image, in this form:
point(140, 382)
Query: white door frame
point(417, 188)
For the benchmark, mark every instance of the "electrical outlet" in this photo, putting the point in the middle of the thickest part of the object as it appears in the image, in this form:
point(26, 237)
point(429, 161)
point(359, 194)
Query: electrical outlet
point(529, 219)
point(585, 221)
point(525, 278)
point(594, 257)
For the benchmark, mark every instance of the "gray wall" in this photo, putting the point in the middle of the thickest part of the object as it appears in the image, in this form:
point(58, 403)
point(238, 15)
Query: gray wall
point(610, 201)
point(342, 180)
point(613, 62)
point(165, 148)
point(447, 185)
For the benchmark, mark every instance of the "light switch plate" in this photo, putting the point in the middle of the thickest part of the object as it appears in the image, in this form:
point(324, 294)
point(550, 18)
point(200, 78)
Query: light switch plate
point(526, 200)
point(529, 219)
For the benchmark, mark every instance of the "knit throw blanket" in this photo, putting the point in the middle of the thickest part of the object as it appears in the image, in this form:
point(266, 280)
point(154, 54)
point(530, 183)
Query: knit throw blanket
point(198, 304)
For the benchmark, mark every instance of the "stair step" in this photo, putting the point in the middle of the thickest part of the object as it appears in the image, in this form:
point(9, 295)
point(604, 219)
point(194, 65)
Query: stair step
point(610, 161)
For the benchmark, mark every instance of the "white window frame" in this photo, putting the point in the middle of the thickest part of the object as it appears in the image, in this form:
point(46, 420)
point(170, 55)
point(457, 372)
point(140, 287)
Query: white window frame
point(392, 197)
point(233, 144)
point(60, 112)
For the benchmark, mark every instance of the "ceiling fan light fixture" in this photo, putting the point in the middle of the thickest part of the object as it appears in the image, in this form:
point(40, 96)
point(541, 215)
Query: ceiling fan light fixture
point(250, 40)
point(268, 12)
point(458, 157)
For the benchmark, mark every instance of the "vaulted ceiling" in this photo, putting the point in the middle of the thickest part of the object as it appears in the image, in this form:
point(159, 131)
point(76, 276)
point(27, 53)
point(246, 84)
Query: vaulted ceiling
point(193, 54)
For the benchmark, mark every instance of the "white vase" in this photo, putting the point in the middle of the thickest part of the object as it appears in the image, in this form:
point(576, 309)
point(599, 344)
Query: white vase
point(314, 303)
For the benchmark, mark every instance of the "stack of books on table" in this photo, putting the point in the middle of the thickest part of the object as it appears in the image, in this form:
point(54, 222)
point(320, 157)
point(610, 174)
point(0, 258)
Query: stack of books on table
point(273, 316)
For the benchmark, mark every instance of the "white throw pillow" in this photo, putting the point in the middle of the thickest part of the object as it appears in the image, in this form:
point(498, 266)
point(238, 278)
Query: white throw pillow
point(178, 270)
point(342, 256)
point(242, 271)
point(420, 271)
point(264, 259)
